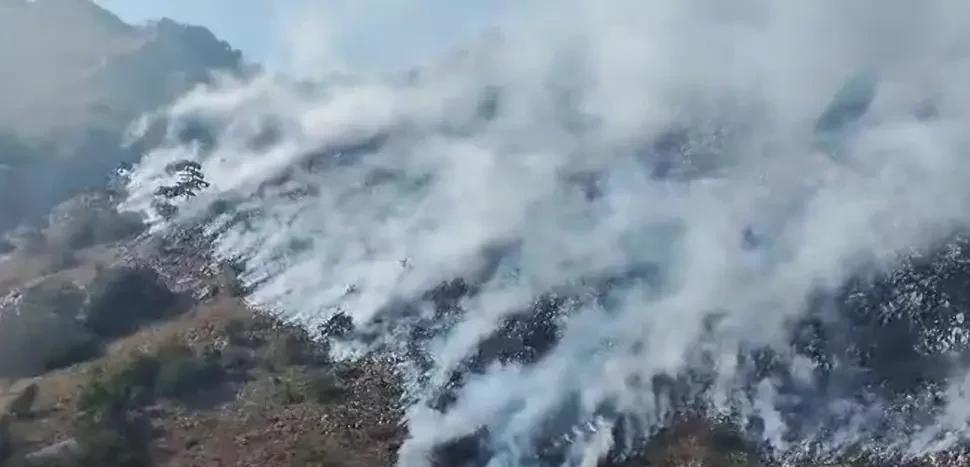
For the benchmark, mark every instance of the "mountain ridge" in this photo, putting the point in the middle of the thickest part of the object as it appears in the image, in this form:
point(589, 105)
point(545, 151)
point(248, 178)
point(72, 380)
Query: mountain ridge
point(70, 96)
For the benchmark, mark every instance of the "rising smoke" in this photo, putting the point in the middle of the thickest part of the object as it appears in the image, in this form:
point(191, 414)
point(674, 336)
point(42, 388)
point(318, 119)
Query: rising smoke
point(614, 210)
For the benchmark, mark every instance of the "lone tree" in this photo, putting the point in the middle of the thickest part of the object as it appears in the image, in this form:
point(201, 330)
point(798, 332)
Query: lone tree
point(190, 180)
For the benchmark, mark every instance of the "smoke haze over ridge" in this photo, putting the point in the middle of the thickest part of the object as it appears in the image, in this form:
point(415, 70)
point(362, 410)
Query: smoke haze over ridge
point(537, 167)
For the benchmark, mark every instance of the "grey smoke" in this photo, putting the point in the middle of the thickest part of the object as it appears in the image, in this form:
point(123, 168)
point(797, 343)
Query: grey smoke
point(530, 164)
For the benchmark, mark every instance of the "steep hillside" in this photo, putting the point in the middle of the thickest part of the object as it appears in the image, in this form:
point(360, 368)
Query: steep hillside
point(74, 76)
point(202, 379)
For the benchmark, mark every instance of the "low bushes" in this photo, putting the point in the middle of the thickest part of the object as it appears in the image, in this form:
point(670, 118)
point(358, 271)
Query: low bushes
point(173, 372)
point(181, 372)
point(123, 299)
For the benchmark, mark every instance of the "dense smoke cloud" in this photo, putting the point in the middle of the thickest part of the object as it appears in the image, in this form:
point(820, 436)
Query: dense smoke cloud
point(612, 210)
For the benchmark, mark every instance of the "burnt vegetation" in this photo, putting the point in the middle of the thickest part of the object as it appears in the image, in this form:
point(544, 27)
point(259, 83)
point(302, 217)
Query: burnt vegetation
point(852, 334)
point(893, 336)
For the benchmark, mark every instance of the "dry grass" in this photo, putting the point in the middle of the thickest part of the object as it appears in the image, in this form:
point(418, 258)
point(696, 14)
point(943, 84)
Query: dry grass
point(250, 426)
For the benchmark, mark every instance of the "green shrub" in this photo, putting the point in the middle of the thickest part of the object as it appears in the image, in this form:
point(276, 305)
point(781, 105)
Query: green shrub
point(122, 299)
point(174, 371)
point(182, 372)
point(116, 392)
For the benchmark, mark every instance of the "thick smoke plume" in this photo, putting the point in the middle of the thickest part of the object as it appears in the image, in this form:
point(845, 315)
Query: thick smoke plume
point(615, 210)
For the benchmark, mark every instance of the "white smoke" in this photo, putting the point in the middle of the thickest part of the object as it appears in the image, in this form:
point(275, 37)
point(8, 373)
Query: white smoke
point(375, 190)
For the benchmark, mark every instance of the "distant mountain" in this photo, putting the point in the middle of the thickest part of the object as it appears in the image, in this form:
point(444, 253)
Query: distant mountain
point(73, 76)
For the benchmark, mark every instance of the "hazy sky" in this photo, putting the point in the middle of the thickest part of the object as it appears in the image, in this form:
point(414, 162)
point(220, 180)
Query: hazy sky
point(290, 34)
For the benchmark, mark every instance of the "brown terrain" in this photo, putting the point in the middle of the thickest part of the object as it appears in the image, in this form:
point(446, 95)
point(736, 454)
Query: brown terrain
point(121, 351)
point(273, 396)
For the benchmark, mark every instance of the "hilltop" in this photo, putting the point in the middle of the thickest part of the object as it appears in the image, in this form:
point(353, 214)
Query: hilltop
point(74, 78)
